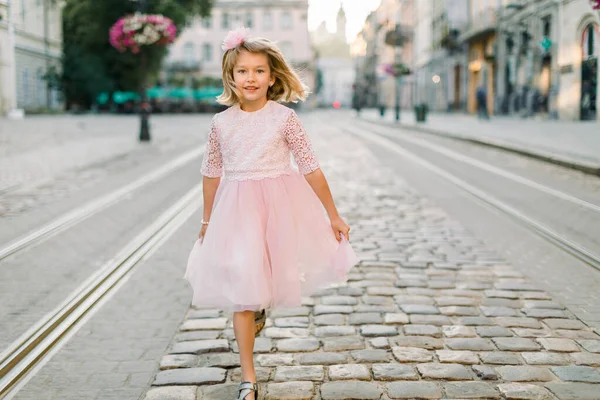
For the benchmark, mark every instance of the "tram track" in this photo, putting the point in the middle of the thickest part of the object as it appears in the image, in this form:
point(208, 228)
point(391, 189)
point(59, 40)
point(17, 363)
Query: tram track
point(91, 208)
point(20, 361)
point(389, 138)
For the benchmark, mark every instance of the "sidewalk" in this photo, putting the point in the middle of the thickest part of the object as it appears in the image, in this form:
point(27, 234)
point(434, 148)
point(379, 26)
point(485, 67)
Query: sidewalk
point(569, 143)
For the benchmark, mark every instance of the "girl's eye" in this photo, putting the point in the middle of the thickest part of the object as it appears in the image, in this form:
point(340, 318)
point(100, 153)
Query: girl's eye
point(261, 71)
point(241, 71)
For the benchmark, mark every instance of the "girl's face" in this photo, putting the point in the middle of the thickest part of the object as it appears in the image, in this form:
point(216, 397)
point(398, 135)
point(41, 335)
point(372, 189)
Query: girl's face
point(252, 76)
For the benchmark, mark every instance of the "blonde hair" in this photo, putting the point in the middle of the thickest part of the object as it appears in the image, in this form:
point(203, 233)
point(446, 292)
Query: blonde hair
point(287, 85)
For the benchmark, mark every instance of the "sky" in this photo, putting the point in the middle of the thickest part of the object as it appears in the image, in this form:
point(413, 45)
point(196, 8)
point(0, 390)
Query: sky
point(356, 13)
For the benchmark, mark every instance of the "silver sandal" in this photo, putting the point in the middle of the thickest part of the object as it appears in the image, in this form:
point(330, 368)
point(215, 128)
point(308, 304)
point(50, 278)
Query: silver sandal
point(246, 388)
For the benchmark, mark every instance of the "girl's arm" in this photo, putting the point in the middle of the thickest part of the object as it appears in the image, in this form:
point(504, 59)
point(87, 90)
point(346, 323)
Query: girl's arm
point(209, 190)
point(319, 185)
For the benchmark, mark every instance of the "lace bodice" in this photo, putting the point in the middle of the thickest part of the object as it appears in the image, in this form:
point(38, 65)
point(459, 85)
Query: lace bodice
point(255, 145)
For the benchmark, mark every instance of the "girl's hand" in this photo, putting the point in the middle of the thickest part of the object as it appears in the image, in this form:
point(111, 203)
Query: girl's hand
point(202, 232)
point(340, 228)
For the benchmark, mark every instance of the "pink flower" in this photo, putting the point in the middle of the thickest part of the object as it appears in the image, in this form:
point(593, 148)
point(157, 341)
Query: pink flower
point(235, 38)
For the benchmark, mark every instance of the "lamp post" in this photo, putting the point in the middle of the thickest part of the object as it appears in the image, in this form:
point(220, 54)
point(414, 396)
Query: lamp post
point(144, 135)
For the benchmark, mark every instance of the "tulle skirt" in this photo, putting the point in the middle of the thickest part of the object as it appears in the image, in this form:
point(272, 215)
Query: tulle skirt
point(268, 244)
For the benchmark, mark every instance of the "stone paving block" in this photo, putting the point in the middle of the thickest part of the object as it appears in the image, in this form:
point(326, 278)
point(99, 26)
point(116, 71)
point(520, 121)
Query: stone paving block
point(206, 313)
point(470, 390)
point(412, 354)
point(458, 357)
point(516, 344)
point(339, 300)
point(178, 361)
point(545, 358)
point(470, 344)
point(485, 372)
point(380, 343)
point(419, 309)
point(291, 322)
point(493, 331)
point(343, 343)
point(577, 374)
point(414, 390)
point(559, 345)
point(299, 373)
point(190, 376)
point(349, 372)
point(451, 372)
point(592, 346)
point(377, 300)
point(350, 291)
point(370, 355)
point(413, 299)
point(458, 331)
point(335, 330)
point(525, 374)
point(422, 330)
point(506, 294)
point(321, 358)
point(574, 391)
point(196, 335)
point(378, 330)
point(499, 311)
point(222, 360)
point(424, 342)
point(290, 391)
point(330, 319)
point(284, 333)
point(501, 302)
point(365, 318)
point(204, 324)
point(274, 360)
point(474, 321)
point(560, 323)
point(585, 358)
point(324, 309)
point(290, 312)
point(543, 304)
point(444, 301)
point(533, 333)
point(172, 393)
point(516, 322)
point(263, 374)
point(439, 320)
point(297, 345)
point(524, 391)
point(200, 346)
point(576, 334)
point(500, 358)
point(350, 390)
point(544, 313)
point(369, 308)
point(393, 372)
point(459, 311)
point(383, 291)
point(395, 318)
point(218, 392)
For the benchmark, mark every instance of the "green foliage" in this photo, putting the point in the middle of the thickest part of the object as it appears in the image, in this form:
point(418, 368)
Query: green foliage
point(91, 65)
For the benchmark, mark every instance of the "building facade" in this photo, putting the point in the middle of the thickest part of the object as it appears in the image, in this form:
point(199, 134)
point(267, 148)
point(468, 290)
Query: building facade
point(37, 50)
point(334, 63)
point(198, 48)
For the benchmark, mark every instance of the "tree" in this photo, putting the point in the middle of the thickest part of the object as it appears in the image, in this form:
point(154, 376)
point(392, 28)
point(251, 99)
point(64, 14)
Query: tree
point(91, 65)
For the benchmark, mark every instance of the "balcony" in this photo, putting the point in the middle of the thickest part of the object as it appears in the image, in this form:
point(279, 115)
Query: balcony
point(481, 24)
point(399, 35)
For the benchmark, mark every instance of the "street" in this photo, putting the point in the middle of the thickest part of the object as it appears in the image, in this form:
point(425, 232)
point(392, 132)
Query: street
point(479, 274)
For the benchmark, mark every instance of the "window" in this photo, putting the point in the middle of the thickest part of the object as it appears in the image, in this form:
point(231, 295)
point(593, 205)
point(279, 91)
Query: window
point(286, 49)
point(267, 21)
point(249, 19)
point(207, 22)
point(207, 52)
point(41, 86)
point(188, 53)
point(225, 23)
point(286, 20)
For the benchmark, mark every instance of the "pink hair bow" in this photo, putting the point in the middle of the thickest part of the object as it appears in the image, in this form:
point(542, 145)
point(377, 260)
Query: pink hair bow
point(235, 38)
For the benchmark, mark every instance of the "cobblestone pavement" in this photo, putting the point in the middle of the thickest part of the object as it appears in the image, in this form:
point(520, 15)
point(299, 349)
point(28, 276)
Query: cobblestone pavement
point(431, 312)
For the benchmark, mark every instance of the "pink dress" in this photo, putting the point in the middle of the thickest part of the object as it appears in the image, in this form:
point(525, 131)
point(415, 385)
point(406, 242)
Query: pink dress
point(269, 241)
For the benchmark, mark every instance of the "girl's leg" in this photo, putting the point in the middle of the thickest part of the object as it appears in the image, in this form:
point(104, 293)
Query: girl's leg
point(243, 327)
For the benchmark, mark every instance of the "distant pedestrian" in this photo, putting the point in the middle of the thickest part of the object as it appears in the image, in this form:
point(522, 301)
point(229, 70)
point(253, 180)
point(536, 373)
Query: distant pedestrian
point(268, 242)
point(481, 98)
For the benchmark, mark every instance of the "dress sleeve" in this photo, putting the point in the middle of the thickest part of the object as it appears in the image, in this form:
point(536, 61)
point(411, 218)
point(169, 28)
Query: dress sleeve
point(299, 143)
point(212, 163)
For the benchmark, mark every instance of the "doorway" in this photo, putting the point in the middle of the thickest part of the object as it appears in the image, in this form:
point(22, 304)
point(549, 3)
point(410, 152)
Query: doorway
point(589, 73)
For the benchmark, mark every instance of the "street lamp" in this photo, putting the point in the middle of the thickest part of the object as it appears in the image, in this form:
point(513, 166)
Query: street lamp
point(144, 105)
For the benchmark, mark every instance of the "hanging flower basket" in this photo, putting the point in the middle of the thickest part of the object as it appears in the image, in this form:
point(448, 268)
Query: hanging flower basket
point(595, 4)
point(137, 30)
point(396, 69)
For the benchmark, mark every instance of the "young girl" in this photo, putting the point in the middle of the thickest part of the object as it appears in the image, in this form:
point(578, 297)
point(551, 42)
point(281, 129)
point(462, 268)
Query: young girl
point(265, 241)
